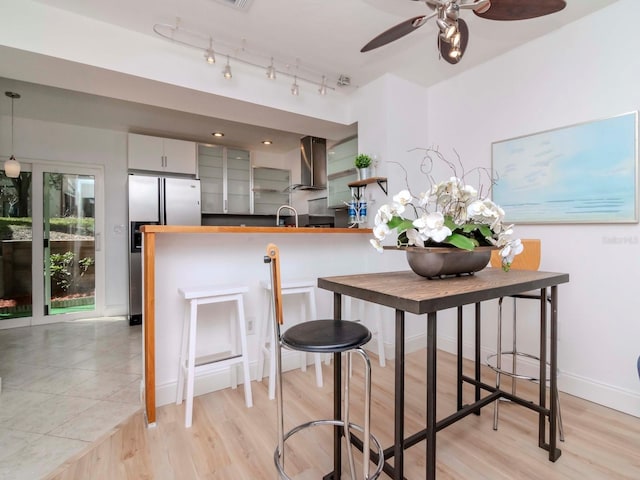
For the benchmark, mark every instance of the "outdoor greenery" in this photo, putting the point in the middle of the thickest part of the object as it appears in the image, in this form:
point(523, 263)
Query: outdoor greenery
point(7, 225)
point(69, 225)
point(62, 266)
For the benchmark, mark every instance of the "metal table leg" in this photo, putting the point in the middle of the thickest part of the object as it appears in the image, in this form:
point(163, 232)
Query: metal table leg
point(431, 394)
point(554, 452)
point(398, 433)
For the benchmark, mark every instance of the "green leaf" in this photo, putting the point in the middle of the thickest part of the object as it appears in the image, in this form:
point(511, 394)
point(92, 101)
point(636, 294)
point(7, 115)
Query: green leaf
point(469, 227)
point(400, 224)
point(485, 231)
point(448, 222)
point(460, 241)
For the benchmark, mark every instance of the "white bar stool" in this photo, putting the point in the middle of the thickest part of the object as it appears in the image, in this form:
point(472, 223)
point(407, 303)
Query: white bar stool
point(190, 365)
point(267, 347)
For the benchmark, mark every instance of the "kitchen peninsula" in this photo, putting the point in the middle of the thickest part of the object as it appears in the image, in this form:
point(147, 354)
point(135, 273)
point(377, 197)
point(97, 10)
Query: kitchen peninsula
point(185, 256)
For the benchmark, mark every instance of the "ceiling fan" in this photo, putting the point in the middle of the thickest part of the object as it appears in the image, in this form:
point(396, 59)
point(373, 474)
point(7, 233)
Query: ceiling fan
point(454, 33)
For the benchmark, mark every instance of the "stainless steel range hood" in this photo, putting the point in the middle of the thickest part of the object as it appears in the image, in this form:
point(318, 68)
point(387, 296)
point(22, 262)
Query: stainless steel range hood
point(313, 157)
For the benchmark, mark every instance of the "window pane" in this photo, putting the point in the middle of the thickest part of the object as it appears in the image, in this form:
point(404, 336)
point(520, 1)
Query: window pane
point(15, 252)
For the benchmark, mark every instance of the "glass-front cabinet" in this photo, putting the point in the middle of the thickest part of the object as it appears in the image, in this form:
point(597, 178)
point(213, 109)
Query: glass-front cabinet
point(270, 189)
point(225, 178)
point(341, 171)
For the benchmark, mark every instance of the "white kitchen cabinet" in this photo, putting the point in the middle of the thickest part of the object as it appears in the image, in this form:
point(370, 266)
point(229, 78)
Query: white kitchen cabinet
point(159, 154)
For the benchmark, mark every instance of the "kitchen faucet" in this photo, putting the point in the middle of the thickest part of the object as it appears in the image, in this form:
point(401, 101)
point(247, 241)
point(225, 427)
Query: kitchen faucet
point(295, 212)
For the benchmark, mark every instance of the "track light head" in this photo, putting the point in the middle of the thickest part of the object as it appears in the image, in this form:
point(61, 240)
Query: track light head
point(271, 71)
point(323, 86)
point(227, 70)
point(209, 54)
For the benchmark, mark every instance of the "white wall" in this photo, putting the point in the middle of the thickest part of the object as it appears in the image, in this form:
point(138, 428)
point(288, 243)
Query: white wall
point(576, 74)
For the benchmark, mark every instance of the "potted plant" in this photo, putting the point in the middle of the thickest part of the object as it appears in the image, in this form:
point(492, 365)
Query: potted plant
point(363, 162)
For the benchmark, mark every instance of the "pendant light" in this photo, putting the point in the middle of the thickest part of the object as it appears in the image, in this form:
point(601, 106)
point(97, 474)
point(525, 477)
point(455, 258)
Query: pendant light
point(12, 166)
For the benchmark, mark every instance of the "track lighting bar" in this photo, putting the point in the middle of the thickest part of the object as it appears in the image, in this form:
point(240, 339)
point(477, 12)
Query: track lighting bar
point(177, 34)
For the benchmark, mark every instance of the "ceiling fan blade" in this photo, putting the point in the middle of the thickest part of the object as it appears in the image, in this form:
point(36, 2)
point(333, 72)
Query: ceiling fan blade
point(521, 10)
point(396, 32)
point(445, 47)
point(480, 5)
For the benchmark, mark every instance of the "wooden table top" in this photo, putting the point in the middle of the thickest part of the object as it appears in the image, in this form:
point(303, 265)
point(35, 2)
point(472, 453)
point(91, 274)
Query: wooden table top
point(409, 292)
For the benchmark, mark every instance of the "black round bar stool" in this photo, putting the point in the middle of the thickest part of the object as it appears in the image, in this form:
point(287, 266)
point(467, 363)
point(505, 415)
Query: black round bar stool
point(322, 336)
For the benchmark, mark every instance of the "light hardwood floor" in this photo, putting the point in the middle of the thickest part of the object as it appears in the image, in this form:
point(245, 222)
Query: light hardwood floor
point(228, 441)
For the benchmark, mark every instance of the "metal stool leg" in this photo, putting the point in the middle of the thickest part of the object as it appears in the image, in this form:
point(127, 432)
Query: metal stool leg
point(347, 423)
point(498, 362)
point(514, 376)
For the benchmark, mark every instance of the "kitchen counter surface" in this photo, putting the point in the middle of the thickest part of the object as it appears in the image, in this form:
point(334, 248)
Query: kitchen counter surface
point(288, 230)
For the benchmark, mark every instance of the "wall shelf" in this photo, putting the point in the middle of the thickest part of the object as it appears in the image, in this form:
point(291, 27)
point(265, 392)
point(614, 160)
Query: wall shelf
point(362, 184)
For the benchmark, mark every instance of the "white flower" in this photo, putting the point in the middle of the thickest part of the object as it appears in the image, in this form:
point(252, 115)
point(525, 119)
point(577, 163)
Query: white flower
point(432, 226)
point(384, 214)
point(381, 230)
point(376, 245)
point(414, 237)
point(403, 198)
point(510, 250)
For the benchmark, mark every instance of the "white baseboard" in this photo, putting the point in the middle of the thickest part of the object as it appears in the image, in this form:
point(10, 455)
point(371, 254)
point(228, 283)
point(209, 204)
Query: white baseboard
point(219, 379)
point(609, 396)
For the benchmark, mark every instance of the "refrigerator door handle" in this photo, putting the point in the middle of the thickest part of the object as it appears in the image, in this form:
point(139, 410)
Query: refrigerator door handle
point(162, 210)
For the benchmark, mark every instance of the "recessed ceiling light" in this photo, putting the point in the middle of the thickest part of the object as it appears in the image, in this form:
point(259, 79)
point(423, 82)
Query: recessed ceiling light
point(218, 134)
point(267, 142)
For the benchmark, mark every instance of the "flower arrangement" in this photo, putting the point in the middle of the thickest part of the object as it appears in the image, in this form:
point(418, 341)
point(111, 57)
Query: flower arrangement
point(450, 213)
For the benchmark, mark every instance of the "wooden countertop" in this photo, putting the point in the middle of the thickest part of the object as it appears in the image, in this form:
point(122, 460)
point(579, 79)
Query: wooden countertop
point(286, 230)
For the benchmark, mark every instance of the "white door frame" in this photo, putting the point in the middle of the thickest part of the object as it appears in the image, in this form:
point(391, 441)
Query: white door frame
point(37, 198)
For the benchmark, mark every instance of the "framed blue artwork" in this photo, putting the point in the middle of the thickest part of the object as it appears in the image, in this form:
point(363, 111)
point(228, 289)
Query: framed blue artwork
point(584, 173)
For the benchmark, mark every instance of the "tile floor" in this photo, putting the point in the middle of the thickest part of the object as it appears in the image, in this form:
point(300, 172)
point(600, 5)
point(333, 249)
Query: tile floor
point(64, 385)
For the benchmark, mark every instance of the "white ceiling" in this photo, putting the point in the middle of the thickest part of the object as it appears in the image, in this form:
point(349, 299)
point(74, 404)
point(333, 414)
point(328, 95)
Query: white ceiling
point(325, 36)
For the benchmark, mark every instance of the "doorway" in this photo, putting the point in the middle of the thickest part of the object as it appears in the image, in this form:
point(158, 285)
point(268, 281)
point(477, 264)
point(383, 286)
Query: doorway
point(52, 262)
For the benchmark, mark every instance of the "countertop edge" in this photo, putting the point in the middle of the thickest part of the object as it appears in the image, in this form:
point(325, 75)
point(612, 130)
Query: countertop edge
point(283, 230)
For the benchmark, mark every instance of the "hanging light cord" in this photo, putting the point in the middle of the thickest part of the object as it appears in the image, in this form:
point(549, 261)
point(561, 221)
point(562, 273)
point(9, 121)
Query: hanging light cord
point(12, 100)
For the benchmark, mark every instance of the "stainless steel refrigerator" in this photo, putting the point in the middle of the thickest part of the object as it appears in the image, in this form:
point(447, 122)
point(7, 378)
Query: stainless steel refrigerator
point(156, 200)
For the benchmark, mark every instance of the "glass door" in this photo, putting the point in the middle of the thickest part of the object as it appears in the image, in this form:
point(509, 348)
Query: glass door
point(16, 240)
point(69, 242)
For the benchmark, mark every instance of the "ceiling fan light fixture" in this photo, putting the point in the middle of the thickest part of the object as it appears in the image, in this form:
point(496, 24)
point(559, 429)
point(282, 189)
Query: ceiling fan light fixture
point(447, 29)
point(455, 40)
point(452, 11)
